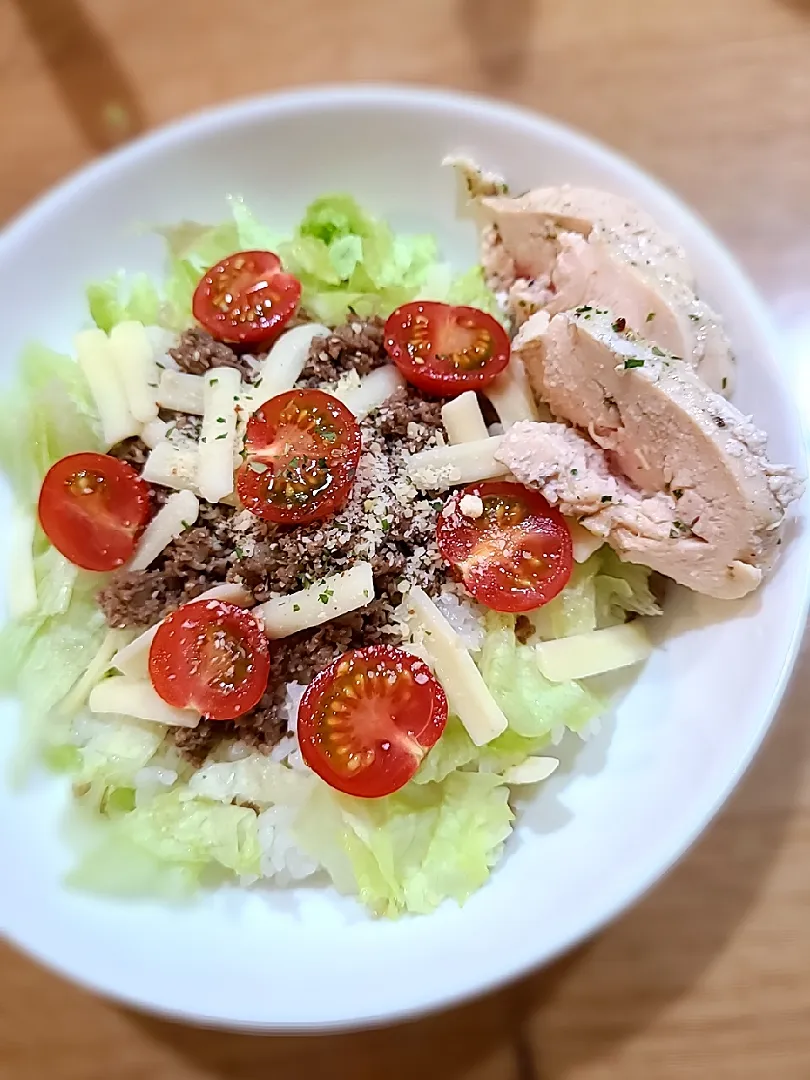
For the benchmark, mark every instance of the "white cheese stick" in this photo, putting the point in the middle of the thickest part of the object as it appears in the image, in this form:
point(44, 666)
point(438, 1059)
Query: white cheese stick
point(467, 694)
point(135, 359)
point(463, 420)
point(594, 653)
point(374, 390)
point(154, 432)
point(531, 771)
point(173, 466)
point(218, 433)
point(133, 659)
point(181, 392)
point(327, 599)
point(283, 364)
point(96, 358)
point(138, 698)
point(174, 517)
point(441, 467)
point(21, 582)
point(583, 541)
point(510, 395)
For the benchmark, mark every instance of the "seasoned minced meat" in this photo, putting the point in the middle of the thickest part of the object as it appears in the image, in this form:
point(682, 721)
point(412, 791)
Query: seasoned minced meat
point(405, 407)
point(133, 451)
point(358, 346)
point(192, 563)
point(197, 352)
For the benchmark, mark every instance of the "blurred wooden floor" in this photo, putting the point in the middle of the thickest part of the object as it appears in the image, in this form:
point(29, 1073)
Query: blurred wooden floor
point(709, 977)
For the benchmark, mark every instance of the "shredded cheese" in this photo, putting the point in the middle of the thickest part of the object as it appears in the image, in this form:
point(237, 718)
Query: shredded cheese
point(283, 364)
point(174, 517)
point(96, 358)
point(467, 694)
point(335, 595)
point(593, 653)
point(218, 433)
point(154, 432)
point(531, 771)
point(181, 392)
point(463, 420)
point(173, 466)
point(373, 391)
point(442, 467)
point(138, 698)
point(135, 360)
point(511, 396)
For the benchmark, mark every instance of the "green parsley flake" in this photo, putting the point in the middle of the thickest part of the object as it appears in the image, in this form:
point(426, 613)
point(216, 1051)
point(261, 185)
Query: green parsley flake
point(650, 316)
point(657, 352)
point(607, 498)
point(634, 361)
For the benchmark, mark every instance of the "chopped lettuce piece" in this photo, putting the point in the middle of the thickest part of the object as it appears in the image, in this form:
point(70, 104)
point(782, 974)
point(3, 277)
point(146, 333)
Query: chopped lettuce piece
point(411, 850)
point(119, 300)
point(167, 845)
point(621, 588)
point(471, 290)
point(533, 705)
point(573, 611)
point(49, 414)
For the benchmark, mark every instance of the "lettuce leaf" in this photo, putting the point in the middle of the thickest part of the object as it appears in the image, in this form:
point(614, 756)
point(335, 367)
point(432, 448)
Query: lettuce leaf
point(411, 850)
point(573, 611)
point(49, 414)
point(621, 587)
point(118, 299)
point(167, 847)
point(533, 706)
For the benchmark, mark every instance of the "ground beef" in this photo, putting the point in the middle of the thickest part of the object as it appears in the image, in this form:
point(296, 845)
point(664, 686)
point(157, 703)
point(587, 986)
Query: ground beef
point(524, 628)
point(194, 562)
point(197, 352)
point(358, 346)
point(404, 409)
point(133, 451)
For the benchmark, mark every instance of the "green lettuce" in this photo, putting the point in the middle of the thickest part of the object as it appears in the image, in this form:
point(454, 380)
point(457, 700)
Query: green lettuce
point(49, 414)
point(170, 846)
point(533, 706)
point(347, 261)
point(622, 588)
point(411, 850)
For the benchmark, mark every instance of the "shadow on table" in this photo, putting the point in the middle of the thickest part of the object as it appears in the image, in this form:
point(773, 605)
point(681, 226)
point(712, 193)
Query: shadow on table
point(501, 38)
point(92, 84)
point(585, 1007)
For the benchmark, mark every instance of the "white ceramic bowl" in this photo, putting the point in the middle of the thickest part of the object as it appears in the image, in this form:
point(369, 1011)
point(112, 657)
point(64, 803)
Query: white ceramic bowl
point(600, 832)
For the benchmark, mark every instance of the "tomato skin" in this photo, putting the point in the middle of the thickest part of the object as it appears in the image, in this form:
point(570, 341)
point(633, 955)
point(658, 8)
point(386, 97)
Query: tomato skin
point(516, 556)
point(445, 350)
point(246, 298)
point(302, 450)
point(210, 656)
point(366, 722)
point(93, 508)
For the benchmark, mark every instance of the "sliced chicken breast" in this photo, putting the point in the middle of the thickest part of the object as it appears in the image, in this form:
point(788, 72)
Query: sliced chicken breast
point(555, 249)
point(673, 476)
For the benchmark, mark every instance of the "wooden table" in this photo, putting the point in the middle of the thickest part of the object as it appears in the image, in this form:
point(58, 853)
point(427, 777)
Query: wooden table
point(709, 977)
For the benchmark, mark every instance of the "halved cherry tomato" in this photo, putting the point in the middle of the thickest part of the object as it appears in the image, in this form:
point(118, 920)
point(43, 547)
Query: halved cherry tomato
point(446, 350)
point(246, 299)
point(516, 555)
point(302, 450)
point(212, 657)
point(93, 508)
point(366, 722)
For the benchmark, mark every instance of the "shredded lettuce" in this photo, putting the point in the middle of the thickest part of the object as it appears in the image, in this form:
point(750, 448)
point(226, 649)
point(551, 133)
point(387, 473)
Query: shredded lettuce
point(622, 587)
point(533, 706)
point(168, 846)
point(347, 261)
point(411, 850)
point(48, 414)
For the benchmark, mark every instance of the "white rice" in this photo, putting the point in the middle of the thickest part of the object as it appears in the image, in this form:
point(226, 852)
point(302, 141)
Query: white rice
point(281, 858)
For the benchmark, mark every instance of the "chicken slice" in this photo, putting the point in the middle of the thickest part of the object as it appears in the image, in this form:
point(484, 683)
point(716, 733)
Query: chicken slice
point(555, 249)
point(674, 477)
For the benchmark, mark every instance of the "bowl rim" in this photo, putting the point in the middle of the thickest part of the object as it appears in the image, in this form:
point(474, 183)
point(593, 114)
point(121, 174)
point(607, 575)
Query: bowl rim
point(208, 121)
